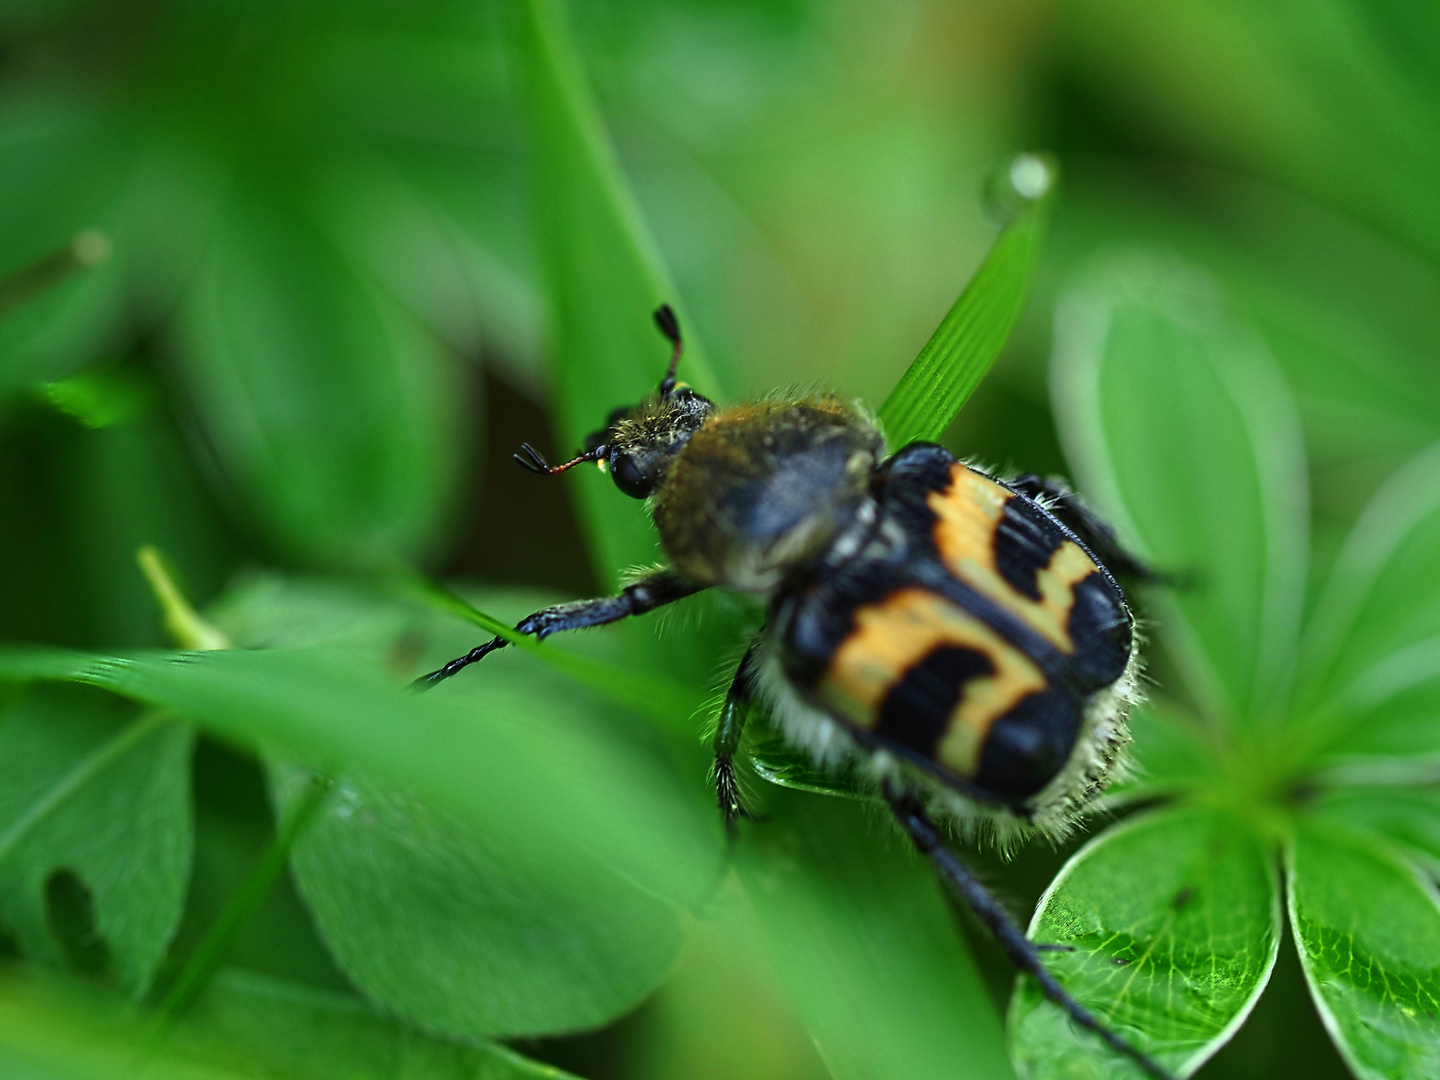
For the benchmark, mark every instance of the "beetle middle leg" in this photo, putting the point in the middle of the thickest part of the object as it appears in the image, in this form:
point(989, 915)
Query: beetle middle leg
point(727, 738)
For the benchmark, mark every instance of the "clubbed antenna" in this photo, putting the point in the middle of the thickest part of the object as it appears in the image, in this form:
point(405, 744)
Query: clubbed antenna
point(670, 327)
point(535, 462)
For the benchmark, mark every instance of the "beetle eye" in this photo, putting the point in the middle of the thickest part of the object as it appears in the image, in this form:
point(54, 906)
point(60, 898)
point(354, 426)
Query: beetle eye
point(628, 477)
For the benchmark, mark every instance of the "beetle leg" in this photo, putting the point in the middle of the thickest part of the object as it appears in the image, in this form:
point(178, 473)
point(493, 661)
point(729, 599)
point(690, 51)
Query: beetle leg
point(727, 738)
point(1024, 954)
point(1097, 534)
point(650, 592)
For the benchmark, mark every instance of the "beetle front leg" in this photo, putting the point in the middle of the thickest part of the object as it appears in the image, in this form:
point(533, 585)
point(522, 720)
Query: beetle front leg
point(650, 592)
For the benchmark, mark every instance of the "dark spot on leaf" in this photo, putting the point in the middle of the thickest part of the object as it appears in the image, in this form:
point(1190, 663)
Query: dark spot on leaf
point(1306, 791)
point(70, 913)
point(1119, 961)
point(1183, 897)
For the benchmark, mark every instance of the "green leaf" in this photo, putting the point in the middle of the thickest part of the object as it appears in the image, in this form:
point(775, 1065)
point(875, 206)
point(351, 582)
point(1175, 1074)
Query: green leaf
point(262, 1026)
point(521, 954)
point(1368, 930)
point(100, 397)
point(1372, 651)
point(539, 767)
point(484, 946)
point(773, 758)
point(866, 946)
point(329, 407)
point(1407, 817)
point(245, 1025)
point(969, 339)
point(1180, 428)
point(603, 273)
point(1174, 752)
point(1174, 917)
point(91, 794)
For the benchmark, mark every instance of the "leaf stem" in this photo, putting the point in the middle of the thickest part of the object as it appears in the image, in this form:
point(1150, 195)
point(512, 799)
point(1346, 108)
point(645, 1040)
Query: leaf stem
point(185, 626)
point(89, 248)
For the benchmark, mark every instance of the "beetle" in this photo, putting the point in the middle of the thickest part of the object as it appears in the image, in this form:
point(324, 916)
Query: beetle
point(961, 638)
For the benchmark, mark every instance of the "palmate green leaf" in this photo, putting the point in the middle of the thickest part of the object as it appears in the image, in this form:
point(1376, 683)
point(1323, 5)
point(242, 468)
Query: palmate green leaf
point(864, 943)
point(969, 339)
point(333, 412)
point(1175, 922)
point(1175, 752)
point(481, 946)
point(1371, 662)
point(1347, 315)
point(604, 276)
point(1181, 429)
point(1368, 929)
point(245, 1026)
point(92, 793)
point(1407, 817)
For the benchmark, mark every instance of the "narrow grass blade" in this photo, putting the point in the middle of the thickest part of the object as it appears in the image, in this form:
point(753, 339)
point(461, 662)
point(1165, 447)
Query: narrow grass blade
point(969, 339)
point(605, 277)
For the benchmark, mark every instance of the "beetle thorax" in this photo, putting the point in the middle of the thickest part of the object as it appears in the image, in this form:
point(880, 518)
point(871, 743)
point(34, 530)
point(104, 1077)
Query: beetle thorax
point(761, 490)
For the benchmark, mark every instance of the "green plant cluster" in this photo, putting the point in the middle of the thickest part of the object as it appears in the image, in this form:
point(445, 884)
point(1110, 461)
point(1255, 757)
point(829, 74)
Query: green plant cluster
point(309, 213)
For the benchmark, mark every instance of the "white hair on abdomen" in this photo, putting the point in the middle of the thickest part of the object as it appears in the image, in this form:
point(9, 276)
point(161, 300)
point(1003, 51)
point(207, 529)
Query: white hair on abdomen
point(1098, 757)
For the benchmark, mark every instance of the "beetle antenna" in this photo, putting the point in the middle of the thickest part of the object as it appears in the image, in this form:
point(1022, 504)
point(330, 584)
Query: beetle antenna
point(535, 462)
point(669, 326)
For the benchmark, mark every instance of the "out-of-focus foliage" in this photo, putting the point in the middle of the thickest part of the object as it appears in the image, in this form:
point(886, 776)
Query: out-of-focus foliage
point(355, 249)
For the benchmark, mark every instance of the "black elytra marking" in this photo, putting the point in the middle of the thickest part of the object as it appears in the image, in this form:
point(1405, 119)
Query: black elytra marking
point(1028, 745)
point(1101, 629)
point(916, 713)
point(1025, 542)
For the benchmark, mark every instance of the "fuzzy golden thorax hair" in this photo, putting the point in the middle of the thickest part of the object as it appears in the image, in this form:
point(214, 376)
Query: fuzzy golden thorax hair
point(759, 489)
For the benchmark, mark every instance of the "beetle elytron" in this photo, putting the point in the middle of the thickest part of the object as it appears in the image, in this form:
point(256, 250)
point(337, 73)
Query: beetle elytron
point(955, 635)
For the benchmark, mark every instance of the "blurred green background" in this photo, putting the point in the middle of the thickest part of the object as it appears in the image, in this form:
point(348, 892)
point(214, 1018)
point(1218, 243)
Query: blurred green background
point(326, 318)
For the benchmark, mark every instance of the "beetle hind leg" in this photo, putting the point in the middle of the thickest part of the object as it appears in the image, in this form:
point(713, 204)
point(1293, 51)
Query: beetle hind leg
point(1096, 533)
point(1023, 953)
